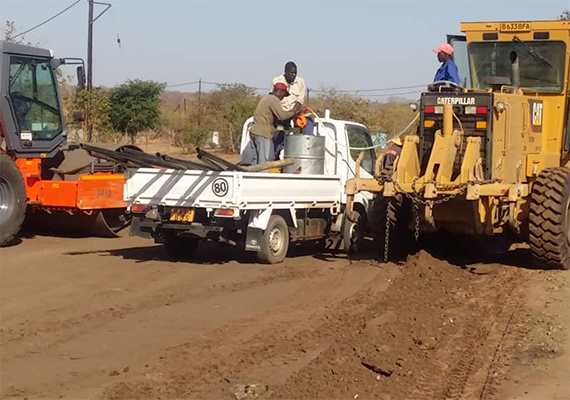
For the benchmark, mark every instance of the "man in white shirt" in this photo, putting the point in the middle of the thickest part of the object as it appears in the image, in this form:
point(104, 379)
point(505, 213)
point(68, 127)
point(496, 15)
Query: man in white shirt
point(297, 92)
point(295, 85)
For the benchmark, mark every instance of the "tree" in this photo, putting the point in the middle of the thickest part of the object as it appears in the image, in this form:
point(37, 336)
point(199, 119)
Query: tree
point(347, 107)
point(10, 34)
point(100, 109)
point(565, 15)
point(229, 106)
point(135, 106)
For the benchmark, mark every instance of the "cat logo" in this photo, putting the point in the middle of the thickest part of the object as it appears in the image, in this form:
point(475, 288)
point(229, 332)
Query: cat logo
point(536, 115)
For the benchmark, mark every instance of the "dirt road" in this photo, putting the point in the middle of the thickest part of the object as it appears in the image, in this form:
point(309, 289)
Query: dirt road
point(113, 318)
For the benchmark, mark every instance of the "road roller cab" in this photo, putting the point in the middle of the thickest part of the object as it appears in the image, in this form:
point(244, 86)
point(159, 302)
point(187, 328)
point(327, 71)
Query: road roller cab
point(40, 172)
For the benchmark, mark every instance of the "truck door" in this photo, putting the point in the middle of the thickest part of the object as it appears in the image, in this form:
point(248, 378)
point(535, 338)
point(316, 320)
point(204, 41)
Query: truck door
point(461, 58)
point(359, 138)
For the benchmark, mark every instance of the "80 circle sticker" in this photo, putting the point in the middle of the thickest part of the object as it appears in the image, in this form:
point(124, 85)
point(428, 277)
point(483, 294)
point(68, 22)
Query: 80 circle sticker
point(220, 187)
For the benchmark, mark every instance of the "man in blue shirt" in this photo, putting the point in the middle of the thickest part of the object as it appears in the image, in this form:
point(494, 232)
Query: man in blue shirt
point(448, 70)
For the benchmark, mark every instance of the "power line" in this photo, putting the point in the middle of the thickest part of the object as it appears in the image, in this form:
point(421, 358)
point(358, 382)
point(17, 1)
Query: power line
point(47, 20)
point(370, 90)
point(393, 94)
point(356, 91)
point(183, 84)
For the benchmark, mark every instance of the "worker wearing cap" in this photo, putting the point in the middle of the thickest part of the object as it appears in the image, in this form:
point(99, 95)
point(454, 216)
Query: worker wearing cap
point(448, 70)
point(261, 130)
point(394, 150)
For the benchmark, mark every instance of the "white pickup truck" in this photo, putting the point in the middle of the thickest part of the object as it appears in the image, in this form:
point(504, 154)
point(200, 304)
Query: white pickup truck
point(260, 211)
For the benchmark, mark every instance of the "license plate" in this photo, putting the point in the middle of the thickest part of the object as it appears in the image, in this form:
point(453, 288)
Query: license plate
point(182, 214)
point(515, 27)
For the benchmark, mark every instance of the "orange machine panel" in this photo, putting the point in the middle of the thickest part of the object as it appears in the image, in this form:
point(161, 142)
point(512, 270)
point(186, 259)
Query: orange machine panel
point(89, 192)
point(57, 194)
point(100, 191)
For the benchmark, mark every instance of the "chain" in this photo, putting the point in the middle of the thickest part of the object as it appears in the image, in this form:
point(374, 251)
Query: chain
point(387, 238)
point(417, 217)
point(416, 198)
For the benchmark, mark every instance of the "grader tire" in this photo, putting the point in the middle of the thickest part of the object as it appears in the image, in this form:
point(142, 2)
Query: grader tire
point(394, 210)
point(549, 223)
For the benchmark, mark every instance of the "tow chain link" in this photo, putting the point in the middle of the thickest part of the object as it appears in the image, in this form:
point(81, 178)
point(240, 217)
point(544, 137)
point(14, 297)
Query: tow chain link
point(387, 238)
point(417, 201)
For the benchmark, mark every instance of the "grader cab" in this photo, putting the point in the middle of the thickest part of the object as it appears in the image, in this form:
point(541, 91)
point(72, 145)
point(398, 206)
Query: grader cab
point(490, 156)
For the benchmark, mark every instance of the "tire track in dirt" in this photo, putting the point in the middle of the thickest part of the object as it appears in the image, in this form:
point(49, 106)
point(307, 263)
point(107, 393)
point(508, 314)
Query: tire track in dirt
point(76, 359)
point(483, 337)
point(264, 350)
point(45, 334)
point(533, 357)
point(439, 343)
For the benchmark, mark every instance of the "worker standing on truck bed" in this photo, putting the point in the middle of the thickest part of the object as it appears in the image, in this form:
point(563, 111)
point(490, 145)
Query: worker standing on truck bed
point(297, 90)
point(261, 130)
point(448, 70)
point(295, 86)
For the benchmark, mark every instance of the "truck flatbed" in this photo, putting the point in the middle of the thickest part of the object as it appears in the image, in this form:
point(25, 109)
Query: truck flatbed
point(231, 189)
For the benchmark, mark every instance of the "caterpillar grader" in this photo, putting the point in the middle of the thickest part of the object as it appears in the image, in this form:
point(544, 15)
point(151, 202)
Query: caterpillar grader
point(491, 156)
point(58, 184)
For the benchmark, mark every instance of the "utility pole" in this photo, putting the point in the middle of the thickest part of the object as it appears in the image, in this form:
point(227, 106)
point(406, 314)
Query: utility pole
point(199, 101)
point(90, 47)
point(90, 23)
point(89, 71)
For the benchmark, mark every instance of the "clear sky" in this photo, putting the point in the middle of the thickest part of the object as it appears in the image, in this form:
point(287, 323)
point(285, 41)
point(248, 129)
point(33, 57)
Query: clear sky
point(343, 44)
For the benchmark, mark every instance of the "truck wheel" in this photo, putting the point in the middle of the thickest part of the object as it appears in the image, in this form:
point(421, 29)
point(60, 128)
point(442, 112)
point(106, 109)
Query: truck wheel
point(179, 248)
point(549, 219)
point(353, 233)
point(12, 199)
point(391, 210)
point(274, 242)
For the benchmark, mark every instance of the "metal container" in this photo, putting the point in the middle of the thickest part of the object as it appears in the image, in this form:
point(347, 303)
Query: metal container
point(308, 152)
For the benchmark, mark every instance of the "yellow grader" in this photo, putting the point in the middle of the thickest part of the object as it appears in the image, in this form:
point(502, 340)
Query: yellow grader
point(491, 156)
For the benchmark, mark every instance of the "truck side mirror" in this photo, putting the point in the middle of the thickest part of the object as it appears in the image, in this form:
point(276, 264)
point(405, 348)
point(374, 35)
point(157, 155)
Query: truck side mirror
point(80, 78)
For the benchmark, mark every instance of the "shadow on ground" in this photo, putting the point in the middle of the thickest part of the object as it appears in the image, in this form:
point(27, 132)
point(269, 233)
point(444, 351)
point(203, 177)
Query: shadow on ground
point(464, 252)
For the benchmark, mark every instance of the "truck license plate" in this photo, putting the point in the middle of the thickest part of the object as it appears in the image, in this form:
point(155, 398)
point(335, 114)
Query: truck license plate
point(182, 214)
point(515, 27)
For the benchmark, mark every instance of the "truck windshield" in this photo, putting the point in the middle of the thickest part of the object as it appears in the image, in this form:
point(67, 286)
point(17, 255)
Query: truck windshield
point(541, 64)
point(34, 96)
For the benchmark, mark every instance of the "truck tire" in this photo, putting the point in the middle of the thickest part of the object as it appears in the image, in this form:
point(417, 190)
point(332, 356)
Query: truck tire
point(549, 219)
point(12, 199)
point(353, 233)
point(179, 248)
point(391, 210)
point(275, 241)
